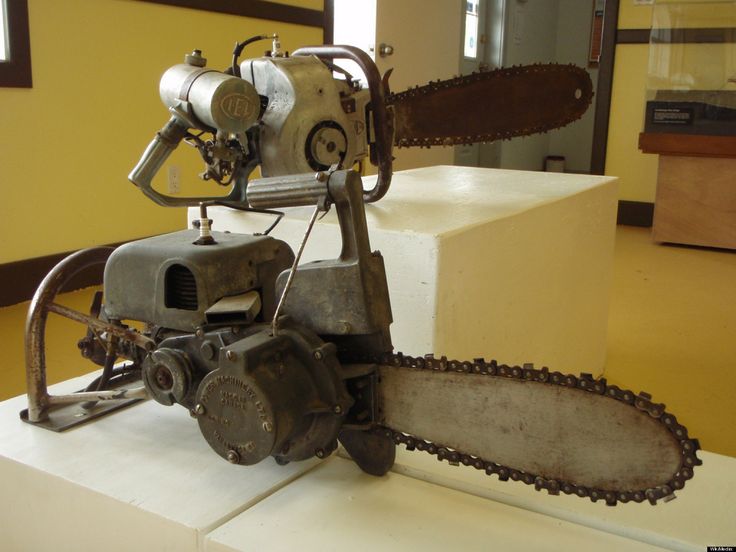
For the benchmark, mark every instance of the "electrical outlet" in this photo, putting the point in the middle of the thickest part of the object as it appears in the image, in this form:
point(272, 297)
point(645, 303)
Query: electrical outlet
point(174, 179)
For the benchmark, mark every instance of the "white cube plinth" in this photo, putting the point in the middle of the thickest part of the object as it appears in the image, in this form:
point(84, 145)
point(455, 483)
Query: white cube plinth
point(336, 507)
point(139, 479)
point(703, 512)
point(510, 265)
point(144, 479)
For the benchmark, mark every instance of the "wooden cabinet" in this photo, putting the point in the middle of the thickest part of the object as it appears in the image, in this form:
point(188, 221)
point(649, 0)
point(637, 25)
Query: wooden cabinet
point(695, 202)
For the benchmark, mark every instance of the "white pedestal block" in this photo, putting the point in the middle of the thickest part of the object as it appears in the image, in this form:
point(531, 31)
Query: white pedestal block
point(140, 479)
point(144, 479)
point(500, 264)
point(338, 508)
point(703, 513)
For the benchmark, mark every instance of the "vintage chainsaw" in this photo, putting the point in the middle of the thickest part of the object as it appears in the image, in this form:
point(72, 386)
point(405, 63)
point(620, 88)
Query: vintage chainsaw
point(274, 358)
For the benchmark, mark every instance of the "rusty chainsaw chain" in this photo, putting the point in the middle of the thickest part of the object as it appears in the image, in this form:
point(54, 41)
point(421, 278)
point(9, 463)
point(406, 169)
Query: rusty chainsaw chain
point(478, 76)
point(586, 382)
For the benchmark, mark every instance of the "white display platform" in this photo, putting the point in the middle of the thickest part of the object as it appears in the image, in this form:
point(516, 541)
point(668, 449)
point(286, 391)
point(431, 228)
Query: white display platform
point(144, 479)
point(339, 508)
point(510, 265)
point(140, 479)
point(703, 514)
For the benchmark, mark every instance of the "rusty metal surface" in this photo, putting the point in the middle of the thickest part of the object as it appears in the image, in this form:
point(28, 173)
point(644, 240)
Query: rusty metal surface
point(39, 399)
point(488, 106)
point(558, 432)
point(67, 416)
point(35, 346)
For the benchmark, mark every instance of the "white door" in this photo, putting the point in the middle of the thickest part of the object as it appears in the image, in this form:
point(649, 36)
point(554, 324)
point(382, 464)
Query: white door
point(425, 40)
point(473, 53)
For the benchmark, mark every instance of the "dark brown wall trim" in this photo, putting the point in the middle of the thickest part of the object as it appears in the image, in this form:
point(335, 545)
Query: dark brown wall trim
point(21, 278)
point(726, 35)
point(605, 84)
point(16, 72)
point(329, 22)
point(260, 9)
point(633, 36)
point(635, 213)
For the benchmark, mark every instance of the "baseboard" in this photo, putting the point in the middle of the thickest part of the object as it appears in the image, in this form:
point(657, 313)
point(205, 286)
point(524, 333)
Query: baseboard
point(635, 213)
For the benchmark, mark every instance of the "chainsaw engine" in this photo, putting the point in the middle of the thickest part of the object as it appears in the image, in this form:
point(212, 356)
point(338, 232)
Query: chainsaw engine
point(260, 384)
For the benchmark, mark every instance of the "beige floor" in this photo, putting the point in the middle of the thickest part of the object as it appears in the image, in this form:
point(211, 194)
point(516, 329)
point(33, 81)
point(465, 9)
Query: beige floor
point(672, 333)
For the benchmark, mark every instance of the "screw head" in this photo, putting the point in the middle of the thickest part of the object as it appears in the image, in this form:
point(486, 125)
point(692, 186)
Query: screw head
point(199, 409)
point(319, 453)
point(318, 355)
point(337, 409)
point(232, 456)
point(231, 356)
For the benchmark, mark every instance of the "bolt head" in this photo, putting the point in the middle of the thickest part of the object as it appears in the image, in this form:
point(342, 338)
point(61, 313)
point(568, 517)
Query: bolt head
point(207, 350)
point(233, 457)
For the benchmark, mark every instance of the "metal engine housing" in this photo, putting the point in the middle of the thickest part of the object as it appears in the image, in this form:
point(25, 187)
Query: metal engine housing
point(310, 118)
point(169, 282)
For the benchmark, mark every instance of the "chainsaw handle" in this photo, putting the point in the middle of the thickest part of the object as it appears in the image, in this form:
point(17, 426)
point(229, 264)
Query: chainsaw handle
point(156, 154)
point(381, 121)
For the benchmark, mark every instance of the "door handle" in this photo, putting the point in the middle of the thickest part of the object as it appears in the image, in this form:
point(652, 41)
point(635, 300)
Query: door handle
point(385, 50)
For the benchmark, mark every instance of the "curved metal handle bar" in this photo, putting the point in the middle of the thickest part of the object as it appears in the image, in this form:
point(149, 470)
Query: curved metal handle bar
point(38, 395)
point(381, 121)
point(158, 151)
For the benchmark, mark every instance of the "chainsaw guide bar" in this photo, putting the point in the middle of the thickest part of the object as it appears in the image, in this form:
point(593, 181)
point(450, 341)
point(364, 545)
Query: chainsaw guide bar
point(487, 106)
point(599, 441)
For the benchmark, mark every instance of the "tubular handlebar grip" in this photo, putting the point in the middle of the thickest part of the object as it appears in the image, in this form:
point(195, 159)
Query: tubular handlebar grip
point(288, 191)
point(165, 142)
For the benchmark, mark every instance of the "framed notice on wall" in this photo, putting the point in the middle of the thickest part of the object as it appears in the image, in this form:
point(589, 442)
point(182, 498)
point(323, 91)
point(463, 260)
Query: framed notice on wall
point(596, 33)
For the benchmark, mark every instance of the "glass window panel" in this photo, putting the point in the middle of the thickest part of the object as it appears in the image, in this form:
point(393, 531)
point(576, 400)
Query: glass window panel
point(3, 34)
point(471, 29)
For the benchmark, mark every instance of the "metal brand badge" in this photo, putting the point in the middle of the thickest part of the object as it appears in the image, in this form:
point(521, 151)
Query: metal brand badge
point(237, 106)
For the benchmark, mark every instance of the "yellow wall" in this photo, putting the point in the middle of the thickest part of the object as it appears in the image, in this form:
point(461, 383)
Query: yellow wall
point(638, 171)
point(68, 143)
